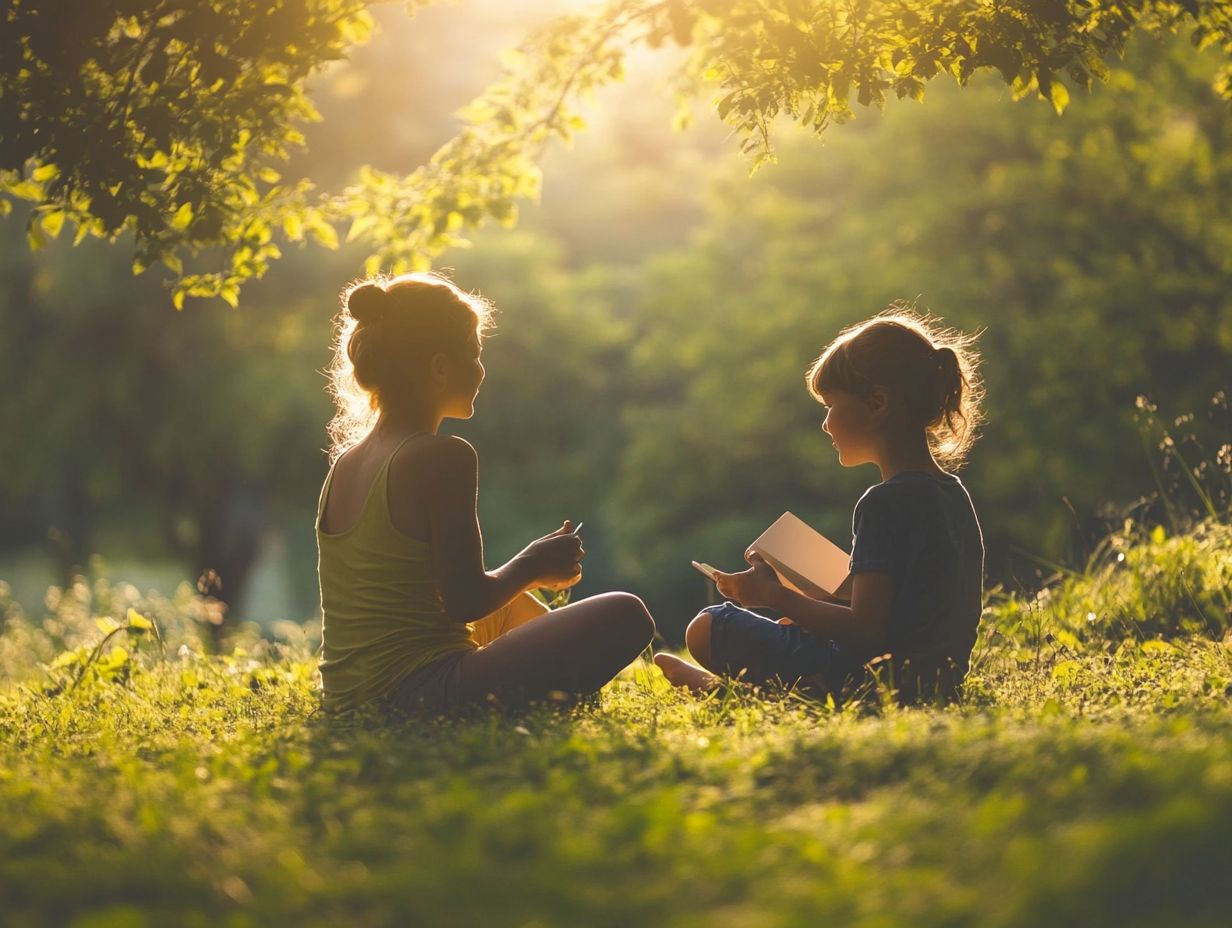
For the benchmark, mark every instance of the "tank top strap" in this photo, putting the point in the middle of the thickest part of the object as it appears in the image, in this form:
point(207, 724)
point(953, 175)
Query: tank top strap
point(379, 494)
point(382, 474)
point(329, 479)
point(378, 489)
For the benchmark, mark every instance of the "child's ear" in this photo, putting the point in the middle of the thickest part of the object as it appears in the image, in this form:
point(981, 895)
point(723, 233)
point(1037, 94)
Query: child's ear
point(878, 401)
point(439, 368)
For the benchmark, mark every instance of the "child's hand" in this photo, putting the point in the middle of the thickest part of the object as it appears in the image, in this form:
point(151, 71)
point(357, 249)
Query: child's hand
point(557, 558)
point(750, 588)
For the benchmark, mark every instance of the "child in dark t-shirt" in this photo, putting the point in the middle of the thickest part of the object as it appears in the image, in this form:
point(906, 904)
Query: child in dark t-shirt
point(921, 529)
point(904, 394)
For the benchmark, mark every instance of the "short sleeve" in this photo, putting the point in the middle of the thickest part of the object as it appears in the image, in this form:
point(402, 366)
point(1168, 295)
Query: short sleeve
point(879, 533)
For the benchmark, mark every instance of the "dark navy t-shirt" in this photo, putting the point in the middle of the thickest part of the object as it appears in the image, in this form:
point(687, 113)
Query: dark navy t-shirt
point(923, 531)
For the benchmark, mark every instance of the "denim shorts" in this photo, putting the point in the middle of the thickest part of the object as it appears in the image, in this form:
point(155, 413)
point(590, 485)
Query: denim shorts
point(759, 650)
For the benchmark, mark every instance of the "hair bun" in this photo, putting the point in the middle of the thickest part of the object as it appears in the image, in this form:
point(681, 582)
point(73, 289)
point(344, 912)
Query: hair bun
point(367, 302)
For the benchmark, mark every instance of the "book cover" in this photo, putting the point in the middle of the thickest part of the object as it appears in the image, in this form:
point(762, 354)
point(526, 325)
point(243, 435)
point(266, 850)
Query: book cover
point(804, 559)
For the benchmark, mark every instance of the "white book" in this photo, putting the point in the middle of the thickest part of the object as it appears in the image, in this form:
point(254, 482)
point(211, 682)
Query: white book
point(804, 559)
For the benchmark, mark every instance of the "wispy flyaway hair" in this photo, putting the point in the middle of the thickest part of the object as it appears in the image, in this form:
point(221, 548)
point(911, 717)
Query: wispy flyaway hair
point(386, 333)
point(931, 371)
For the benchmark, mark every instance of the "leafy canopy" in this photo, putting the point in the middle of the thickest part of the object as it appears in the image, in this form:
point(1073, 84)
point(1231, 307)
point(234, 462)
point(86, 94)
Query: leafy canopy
point(171, 119)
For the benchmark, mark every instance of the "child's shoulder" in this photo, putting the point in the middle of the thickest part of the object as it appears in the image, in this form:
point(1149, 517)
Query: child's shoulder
point(448, 446)
point(898, 496)
point(897, 487)
point(913, 483)
point(426, 455)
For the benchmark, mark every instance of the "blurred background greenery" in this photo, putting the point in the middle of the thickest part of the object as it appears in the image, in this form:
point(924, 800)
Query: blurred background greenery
point(658, 310)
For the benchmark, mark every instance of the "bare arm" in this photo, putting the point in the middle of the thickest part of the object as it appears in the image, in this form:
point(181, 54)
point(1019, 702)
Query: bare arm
point(843, 593)
point(861, 626)
point(469, 591)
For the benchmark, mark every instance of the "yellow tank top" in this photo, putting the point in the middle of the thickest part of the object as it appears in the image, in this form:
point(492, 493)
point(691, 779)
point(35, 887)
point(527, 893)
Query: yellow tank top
point(382, 613)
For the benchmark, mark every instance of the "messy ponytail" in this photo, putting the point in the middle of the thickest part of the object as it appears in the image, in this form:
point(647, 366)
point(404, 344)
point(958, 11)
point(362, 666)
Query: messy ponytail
point(387, 331)
point(932, 373)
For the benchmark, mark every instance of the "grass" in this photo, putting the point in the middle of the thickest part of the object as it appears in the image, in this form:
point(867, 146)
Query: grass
point(1088, 779)
point(174, 802)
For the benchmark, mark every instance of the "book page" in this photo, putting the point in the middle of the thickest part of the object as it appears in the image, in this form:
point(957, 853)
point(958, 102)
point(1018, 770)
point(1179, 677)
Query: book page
point(805, 560)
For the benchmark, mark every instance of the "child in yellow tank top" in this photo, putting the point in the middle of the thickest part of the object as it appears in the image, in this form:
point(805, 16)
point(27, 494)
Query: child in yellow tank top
point(412, 617)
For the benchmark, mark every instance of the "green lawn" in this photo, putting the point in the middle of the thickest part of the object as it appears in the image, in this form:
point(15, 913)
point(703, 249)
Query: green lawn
point(1088, 781)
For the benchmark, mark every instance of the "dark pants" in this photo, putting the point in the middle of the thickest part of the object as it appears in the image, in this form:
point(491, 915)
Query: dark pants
point(759, 650)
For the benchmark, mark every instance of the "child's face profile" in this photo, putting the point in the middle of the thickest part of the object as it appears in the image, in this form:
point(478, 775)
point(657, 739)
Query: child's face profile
point(466, 375)
point(850, 422)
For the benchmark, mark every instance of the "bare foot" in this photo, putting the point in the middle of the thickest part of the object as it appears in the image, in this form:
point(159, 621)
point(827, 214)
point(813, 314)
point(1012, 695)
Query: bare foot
point(682, 673)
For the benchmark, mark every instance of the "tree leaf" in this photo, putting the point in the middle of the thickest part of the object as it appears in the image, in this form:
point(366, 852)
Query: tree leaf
point(183, 217)
point(324, 233)
point(52, 222)
point(293, 226)
point(1059, 97)
point(44, 173)
point(138, 621)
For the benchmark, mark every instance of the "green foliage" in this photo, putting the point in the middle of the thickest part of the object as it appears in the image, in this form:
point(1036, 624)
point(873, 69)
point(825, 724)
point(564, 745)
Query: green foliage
point(1083, 782)
point(166, 429)
point(1139, 583)
point(808, 60)
point(65, 646)
point(655, 375)
point(99, 663)
point(803, 60)
point(493, 161)
point(1093, 251)
point(168, 120)
point(174, 121)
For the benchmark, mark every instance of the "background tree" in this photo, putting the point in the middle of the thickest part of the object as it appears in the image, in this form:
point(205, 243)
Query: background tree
point(167, 119)
point(659, 307)
point(1094, 250)
point(127, 425)
point(190, 110)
